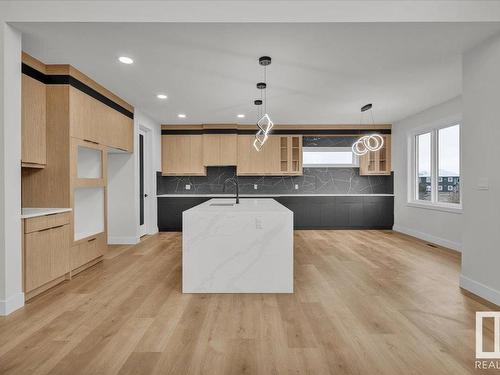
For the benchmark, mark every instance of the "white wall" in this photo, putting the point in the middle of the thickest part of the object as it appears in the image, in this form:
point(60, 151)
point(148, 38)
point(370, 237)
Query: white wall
point(440, 227)
point(153, 164)
point(123, 186)
point(122, 199)
point(481, 231)
point(11, 295)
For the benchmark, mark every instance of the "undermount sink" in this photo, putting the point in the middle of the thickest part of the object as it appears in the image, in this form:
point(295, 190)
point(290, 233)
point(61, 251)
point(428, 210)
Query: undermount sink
point(221, 204)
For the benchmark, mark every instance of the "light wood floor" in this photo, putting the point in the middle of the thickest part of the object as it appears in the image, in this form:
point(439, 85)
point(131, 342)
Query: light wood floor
point(365, 302)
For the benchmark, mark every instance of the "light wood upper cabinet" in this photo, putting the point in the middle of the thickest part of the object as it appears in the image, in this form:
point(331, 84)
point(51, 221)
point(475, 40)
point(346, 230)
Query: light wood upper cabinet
point(220, 149)
point(94, 121)
point(263, 162)
point(182, 155)
point(291, 155)
point(33, 149)
point(377, 162)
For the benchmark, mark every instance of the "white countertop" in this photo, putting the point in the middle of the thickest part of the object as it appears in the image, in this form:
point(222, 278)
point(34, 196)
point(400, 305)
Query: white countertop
point(245, 206)
point(36, 211)
point(268, 195)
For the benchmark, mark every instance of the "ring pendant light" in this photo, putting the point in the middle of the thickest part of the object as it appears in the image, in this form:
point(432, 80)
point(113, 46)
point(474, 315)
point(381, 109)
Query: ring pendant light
point(367, 143)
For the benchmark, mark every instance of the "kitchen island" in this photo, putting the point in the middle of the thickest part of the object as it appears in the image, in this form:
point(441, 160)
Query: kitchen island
point(237, 248)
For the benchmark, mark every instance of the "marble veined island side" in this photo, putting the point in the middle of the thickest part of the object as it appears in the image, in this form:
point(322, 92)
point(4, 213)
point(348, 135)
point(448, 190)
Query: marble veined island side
point(237, 248)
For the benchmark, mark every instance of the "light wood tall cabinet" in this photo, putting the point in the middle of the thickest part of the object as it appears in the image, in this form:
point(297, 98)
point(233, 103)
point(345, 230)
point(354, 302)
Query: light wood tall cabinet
point(377, 162)
point(182, 155)
point(80, 127)
point(220, 149)
point(33, 119)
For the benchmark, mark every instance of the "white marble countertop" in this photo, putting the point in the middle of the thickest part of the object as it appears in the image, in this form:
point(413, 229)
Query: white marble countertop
point(36, 211)
point(247, 205)
point(268, 195)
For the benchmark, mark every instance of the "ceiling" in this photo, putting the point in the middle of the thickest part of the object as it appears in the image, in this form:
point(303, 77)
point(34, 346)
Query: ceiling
point(321, 73)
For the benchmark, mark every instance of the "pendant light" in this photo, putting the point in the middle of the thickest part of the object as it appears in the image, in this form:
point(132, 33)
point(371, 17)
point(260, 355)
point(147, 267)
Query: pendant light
point(367, 143)
point(264, 122)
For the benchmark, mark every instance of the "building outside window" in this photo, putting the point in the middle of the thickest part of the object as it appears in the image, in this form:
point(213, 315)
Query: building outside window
point(437, 166)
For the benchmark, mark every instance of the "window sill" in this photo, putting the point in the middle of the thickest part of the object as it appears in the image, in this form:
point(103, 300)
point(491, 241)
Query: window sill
point(436, 207)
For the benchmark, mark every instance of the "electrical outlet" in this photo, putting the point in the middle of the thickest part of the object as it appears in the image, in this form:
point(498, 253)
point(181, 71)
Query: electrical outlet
point(296, 186)
point(255, 186)
point(188, 187)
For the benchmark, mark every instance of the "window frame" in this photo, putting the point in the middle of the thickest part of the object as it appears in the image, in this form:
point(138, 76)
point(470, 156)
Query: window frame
point(355, 158)
point(413, 178)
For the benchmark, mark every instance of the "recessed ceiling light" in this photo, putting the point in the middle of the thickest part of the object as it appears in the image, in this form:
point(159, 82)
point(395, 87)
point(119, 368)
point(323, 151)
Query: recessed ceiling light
point(161, 96)
point(181, 115)
point(125, 60)
point(241, 116)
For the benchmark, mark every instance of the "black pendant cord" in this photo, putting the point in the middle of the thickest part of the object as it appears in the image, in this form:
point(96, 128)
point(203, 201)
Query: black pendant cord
point(260, 106)
point(265, 89)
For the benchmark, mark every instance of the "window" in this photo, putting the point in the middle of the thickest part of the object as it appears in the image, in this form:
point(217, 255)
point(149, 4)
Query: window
point(423, 142)
point(448, 160)
point(437, 166)
point(321, 157)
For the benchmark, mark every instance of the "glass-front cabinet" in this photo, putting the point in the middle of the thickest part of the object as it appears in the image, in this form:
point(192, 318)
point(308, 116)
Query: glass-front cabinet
point(291, 154)
point(377, 162)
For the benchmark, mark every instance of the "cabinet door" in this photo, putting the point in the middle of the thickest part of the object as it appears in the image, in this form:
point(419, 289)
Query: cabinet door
point(228, 149)
point(264, 162)
point(211, 149)
point(88, 250)
point(196, 166)
point(46, 256)
point(270, 162)
point(94, 121)
point(182, 155)
point(295, 166)
point(377, 162)
point(33, 123)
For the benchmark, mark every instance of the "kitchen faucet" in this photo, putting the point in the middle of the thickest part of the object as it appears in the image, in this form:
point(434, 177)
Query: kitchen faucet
point(233, 180)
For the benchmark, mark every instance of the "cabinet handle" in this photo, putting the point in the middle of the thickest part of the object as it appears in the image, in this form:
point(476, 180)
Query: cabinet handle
point(92, 239)
point(88, 140)
point(59, 226)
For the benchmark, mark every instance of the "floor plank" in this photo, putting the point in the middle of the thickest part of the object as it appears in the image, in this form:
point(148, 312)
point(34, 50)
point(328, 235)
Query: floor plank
point(365, 302)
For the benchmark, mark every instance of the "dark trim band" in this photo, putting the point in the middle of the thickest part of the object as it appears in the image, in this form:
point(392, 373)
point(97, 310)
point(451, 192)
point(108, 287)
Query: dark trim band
point(276, 132)
point(79, 85)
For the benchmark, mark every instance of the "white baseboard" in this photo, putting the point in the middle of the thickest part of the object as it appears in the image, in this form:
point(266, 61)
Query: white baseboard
point(112, 240)
point(428, 237)
point(11, 304)
point(480, 289)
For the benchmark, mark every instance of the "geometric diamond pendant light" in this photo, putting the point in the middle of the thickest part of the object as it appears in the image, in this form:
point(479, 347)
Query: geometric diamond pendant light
point(264, 123)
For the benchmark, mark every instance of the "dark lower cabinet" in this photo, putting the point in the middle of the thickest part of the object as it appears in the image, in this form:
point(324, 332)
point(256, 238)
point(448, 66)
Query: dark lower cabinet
point(342, 212)
point(170, 211)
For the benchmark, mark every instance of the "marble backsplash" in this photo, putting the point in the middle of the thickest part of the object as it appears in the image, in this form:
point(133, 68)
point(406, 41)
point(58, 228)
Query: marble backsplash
point(313, 181)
